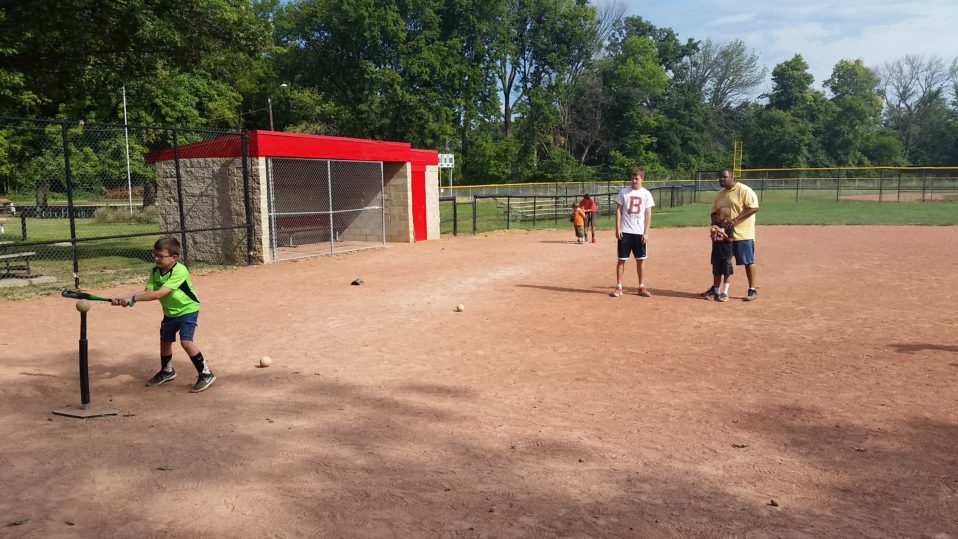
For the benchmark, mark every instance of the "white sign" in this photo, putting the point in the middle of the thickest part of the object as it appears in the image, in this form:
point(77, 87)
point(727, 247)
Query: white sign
point(447, 160)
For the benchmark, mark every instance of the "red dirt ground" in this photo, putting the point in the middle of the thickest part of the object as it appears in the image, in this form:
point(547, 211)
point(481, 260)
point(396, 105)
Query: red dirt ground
point(547, 408)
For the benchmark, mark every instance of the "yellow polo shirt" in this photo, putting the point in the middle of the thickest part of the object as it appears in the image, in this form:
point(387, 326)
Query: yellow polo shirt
point(739, 197)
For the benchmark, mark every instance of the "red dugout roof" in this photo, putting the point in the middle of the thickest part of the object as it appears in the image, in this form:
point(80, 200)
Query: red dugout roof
point(279, 144)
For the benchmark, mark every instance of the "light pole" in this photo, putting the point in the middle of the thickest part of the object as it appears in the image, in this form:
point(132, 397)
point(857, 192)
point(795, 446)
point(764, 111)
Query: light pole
point(269, 101)
point(284, 87)
point(126, 141)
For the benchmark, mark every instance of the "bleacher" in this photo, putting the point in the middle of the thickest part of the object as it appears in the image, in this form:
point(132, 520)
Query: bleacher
point(545, 208)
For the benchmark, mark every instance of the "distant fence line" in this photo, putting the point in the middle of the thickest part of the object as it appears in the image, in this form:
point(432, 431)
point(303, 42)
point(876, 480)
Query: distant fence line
point(890, 184)
point(488, 212)
point(479, 208)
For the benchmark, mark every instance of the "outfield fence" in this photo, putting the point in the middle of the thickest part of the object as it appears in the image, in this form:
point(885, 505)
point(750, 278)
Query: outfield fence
point(480, 208)
point(843, 184)
point(487, 212)
point(81, 205)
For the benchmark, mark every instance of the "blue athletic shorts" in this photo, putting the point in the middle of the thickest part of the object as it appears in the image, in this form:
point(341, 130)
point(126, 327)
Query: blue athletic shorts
point(744, 252)
point(631, 244)
point(185, 324)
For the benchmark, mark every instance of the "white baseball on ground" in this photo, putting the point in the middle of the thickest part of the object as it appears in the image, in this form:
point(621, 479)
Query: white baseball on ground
point(460, 308)
point(265, 361)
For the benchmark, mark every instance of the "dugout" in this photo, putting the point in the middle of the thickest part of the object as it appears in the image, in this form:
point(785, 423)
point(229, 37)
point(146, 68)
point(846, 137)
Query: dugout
point(309, 195)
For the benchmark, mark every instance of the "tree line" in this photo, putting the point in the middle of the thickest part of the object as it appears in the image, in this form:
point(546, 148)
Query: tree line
point(519, 90)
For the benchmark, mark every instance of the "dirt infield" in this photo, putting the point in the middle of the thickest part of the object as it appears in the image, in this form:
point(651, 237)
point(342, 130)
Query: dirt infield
point(892, 196)
point(546, 409)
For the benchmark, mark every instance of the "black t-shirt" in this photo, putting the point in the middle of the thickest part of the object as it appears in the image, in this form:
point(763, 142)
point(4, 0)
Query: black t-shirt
point(721, 248)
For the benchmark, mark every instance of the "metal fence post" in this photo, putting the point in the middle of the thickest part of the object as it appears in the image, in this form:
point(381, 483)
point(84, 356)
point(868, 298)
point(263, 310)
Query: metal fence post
point(455, 216)
point(329, 196)
point(899, 186)
point(838, 186)
point(475, 204)
point(23, 227)
point(247, 203)
point(69, 179)
point(535, 206)
point(924, 177)
point(508, 212)
point(881, 181)
point(179, 196)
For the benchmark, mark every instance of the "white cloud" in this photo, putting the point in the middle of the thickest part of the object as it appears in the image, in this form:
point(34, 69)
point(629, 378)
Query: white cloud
point(822, 31)
point(731, 19)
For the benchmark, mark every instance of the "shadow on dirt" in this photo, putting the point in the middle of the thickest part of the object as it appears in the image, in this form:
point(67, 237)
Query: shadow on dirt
point(911, 348)
point(276, 445)
point(565, 289)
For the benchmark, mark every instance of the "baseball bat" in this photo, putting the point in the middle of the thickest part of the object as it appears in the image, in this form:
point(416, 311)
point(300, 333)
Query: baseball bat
point(76, 294)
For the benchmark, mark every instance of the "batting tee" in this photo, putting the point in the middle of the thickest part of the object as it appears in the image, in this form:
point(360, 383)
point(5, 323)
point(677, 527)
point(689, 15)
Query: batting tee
point(308, 195)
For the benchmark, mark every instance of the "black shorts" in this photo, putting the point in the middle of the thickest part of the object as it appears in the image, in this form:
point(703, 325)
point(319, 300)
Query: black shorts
point(589, 219)
point(631, 244)
point(722, 258)
point(722, 266)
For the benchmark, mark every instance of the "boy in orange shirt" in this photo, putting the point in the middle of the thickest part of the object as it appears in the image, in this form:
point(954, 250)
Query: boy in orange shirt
point(578, 221)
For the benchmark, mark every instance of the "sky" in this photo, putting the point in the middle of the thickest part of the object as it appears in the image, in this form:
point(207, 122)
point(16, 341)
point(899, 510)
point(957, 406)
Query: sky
point(822, 31)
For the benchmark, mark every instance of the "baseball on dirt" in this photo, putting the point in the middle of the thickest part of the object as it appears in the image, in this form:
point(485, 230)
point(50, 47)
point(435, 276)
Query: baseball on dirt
point(460, 308)
point(83, 305)
point(265, 361)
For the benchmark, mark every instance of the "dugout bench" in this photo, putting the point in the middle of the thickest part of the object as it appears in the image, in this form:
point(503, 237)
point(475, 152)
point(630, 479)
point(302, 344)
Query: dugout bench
point(293, 230)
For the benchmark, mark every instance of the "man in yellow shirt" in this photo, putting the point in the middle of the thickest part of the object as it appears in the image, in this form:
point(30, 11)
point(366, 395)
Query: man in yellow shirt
point(740, 199)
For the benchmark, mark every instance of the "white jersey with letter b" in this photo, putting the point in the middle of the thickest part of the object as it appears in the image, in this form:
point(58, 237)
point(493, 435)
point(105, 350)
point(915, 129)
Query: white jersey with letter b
point(634, 202)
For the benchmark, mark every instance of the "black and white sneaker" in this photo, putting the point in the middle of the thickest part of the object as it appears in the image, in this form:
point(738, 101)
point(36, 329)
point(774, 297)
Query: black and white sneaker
point(710, 294)
point(161, 378)
point(203, 382)
point(751, 296)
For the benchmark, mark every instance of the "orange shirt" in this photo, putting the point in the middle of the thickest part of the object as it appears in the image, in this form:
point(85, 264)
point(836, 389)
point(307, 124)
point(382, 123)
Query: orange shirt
point(579, 218)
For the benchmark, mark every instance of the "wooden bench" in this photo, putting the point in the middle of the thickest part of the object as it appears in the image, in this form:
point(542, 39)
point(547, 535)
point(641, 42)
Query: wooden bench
point(293, 230)
point(288, 236)
point(16, 264)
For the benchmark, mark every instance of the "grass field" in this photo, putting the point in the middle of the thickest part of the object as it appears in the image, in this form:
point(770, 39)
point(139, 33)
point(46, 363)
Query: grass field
point(776, 209)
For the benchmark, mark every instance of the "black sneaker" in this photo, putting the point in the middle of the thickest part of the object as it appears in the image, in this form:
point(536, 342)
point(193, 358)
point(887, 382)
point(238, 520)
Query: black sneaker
point(203, 382)
point(751, 296)
point(161, 378)
point(722, 297)
point(710, 294)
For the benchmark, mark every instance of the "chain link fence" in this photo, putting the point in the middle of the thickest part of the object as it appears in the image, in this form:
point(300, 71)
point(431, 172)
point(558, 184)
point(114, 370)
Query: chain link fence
point(82, 204)
point(873, 184)
point(487, 212)
point(319, 206)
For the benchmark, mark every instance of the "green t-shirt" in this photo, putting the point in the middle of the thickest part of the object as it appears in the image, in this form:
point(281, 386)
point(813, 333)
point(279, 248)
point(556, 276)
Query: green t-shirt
point(182, 298)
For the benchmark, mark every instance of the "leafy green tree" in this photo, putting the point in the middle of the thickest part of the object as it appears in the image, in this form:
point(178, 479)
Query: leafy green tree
point(858, 104)
point(669, 50)
point(636, 80)
point(75, 55)
point(791, 83)
point(774, 138)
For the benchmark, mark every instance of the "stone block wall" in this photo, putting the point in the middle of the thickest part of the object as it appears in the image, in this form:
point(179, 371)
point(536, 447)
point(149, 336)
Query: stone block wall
point(397, 180)
point(212, 197)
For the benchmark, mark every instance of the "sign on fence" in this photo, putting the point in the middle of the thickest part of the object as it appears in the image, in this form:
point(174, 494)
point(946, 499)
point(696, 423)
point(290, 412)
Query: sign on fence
point(447, 160)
